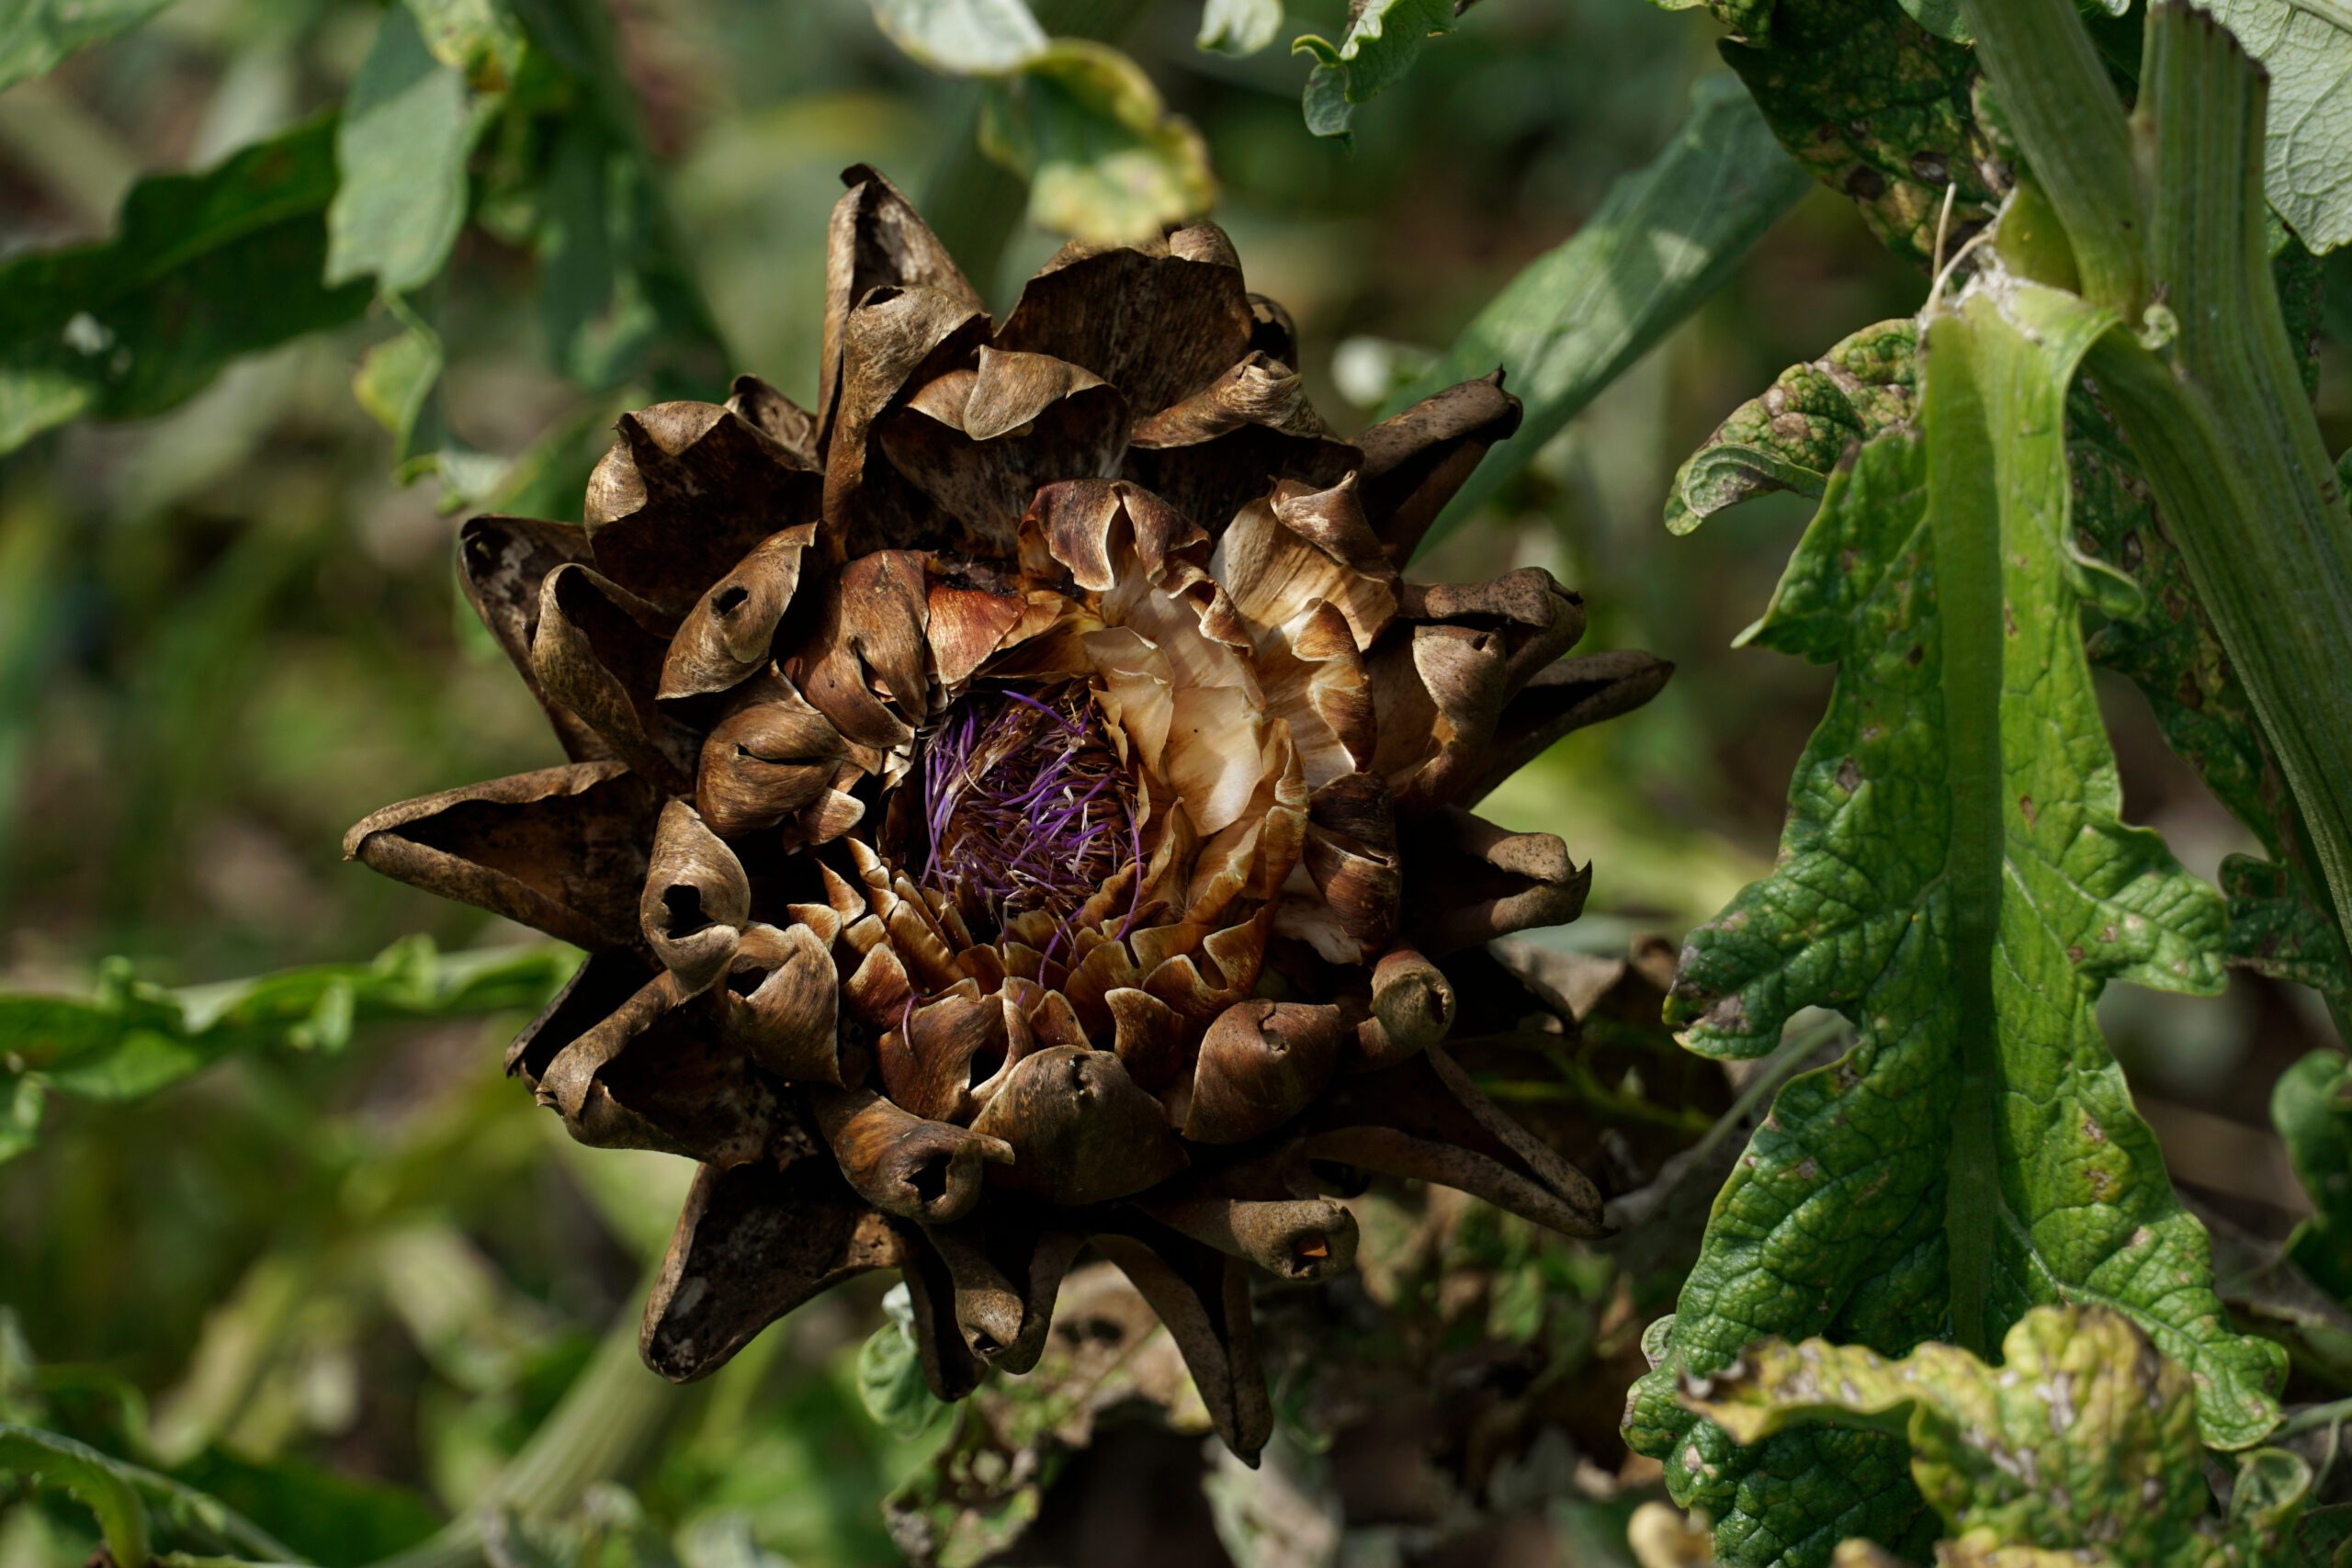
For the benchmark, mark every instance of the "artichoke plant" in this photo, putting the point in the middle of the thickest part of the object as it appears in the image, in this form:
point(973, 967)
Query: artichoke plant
point(1020, 807)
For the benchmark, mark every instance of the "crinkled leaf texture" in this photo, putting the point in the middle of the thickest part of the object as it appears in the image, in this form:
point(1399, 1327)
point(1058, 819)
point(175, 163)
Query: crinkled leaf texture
point(1792, 436)
point(1877, 106)
point(2306, 46)
point(2082, 1444)
point(1954, 880)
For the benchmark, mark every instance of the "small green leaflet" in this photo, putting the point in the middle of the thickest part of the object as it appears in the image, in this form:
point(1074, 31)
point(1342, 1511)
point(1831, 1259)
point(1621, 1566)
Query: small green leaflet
point(2306, 45)
point(2312, 1106)
point(133, 1038)
point(1956, 882)
point(1580, 315)
point(1382, 39)
point(1792, 436)
point(401, 149)
point(889, 1373)
point(2082, 1441)
point(37, 34)
point(204, 269)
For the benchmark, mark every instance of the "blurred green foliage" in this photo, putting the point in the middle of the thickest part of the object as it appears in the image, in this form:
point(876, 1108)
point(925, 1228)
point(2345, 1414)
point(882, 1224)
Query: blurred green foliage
point(289, 281)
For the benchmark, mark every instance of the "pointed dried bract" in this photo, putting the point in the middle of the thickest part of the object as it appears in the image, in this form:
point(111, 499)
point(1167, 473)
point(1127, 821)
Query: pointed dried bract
point(1022, 806)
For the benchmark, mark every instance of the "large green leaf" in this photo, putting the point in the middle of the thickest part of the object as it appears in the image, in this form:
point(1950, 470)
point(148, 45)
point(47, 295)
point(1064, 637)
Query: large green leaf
point(1954, 880)
point(1880, 108)
point(205, 268)
point(2082, 1440)
point(2306, 45)
point(134, 1037)
point(1579, 316)
point(401, 147)
point(2312, 1106)
point(36, 34)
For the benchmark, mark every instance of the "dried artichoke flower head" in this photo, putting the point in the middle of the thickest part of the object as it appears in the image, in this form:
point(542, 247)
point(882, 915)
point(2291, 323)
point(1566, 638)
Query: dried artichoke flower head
point(1020, 807)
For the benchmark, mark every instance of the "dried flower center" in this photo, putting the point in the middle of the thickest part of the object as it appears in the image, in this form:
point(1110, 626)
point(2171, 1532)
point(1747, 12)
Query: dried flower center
point(1027, 806)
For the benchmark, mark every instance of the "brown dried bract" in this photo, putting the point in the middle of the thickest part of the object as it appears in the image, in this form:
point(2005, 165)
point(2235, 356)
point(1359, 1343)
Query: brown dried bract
point(1021, 807)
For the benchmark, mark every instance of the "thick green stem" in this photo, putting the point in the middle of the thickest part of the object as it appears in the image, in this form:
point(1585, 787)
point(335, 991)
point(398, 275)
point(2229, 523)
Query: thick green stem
point(2260, 516)
point(2067, 117)
point(2217, 416)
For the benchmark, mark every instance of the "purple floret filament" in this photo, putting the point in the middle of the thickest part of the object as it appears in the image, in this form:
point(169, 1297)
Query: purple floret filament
point(1019, 818)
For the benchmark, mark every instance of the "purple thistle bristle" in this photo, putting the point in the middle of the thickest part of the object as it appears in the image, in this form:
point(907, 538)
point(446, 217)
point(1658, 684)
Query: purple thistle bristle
point(1027, 808)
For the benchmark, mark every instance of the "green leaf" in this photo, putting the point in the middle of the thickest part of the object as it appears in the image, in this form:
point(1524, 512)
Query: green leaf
point(615, 302)
point(2306, 45)
point(61, 1464)
point(963, 38)
point(1942, 17)
point(1877, 106)
point(1955, 881)
point(889, 1373)
point(2312, 1106)
point(133, 1038)
point(395, 383)
point(204, 268)
point(2082, 1440)
point(1105, 161)
point(36, 34)
point(1383, 41)
point(1240, 26)
point(2279, 918)
point(1582, 314)
point(134, 1504)
point(1794, 433)
point(402, 150)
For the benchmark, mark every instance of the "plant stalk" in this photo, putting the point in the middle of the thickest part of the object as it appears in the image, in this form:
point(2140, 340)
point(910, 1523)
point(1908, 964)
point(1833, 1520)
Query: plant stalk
point(2214, 411)
point(2071, 124)
point(608, 1421)
point(1964, 516)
